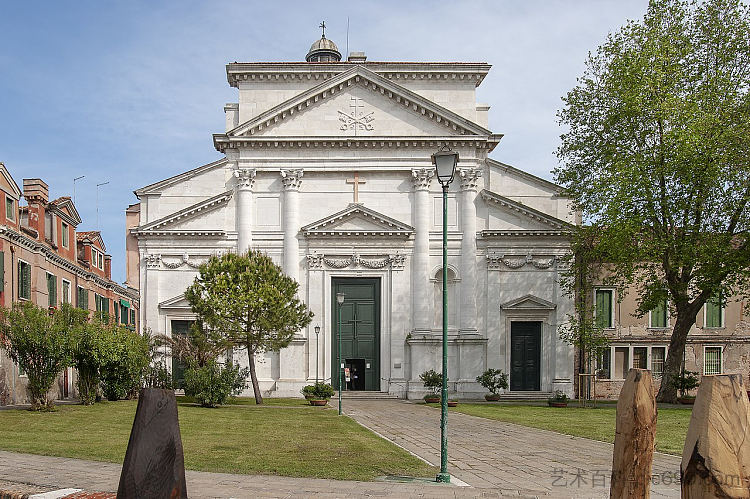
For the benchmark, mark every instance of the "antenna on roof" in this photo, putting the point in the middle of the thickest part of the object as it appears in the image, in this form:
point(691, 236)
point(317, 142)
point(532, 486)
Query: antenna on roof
point(347, 37)
point(97, 203)
point(74, 187)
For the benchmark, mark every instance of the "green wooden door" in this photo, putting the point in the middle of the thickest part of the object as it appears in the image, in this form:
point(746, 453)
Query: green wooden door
point(178, 368)
point(525, 356)
point(360, 330)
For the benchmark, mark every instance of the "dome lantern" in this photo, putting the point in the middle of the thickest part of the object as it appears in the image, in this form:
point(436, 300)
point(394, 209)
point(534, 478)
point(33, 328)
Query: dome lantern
point(323, 50)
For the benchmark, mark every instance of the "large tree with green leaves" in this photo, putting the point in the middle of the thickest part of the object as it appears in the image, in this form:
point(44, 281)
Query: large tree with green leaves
point(656, 154)
point(252, 301)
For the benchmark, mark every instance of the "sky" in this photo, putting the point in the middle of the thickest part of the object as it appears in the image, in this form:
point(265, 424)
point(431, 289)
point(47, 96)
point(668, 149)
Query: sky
point(130, 92)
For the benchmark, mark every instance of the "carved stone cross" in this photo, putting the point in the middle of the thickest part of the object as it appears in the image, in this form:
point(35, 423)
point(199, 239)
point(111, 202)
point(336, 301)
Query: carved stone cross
point(356, 181)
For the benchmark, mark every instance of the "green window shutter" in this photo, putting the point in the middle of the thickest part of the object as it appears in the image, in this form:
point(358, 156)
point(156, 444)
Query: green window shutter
point(2, 271)
point(24, 280)
point(52, 290)
point(604, 308)
point(117, 312)
point(132, 317)
point(713, 312)
point(86, 299)
point(659, 315)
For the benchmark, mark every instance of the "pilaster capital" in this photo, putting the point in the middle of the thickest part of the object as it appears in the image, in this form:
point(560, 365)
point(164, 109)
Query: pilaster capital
point(469, 178)
point(245, 177)
point(421, 178)
point(292, 179)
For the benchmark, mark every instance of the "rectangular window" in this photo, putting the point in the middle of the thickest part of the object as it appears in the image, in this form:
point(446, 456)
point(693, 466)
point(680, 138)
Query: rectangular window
point(658, 316)
point(603, 363)
point(116, 306)
point(65, 291)
point(83, 298)
point(52, 289)
point(48, 221)
point(712, 360)
point(102, 307)
point(132, 318)
point(603, 308)
point(24, 280)
point(10, 208)
point(124, 314)
point(622, 362)
point(714, 313)
point(658, 354)
point(640, 357)
point(65, 235)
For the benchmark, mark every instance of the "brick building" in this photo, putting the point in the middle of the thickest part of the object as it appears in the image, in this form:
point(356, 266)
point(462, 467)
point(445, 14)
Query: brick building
point(44, 260)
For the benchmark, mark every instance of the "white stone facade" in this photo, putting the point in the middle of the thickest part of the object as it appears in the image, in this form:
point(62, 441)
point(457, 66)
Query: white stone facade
point(327, 169)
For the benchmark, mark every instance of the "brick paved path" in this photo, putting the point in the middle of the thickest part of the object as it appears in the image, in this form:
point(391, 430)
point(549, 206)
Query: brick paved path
point(501, 456)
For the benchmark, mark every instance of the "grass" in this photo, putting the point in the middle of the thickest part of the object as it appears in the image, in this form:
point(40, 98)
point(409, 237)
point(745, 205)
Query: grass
point(250, 401)
point(240, 438)
point(595, 423)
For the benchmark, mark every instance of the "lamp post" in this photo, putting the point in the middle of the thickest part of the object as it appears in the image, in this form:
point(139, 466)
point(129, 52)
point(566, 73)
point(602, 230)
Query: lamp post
point(340, 301)
point(317, 356)
point(445, 162)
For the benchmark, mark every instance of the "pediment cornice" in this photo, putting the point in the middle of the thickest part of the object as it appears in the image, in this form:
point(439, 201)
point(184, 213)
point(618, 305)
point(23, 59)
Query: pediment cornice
point(528, 302)
point(163, 223)
point(382, 226)
point(523, 210)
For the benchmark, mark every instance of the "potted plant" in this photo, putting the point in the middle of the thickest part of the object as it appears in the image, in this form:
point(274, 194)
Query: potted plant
point(559, 399)
point(452, 403)
point(434, 381)
point(493, 380)
point(320, 394)
point(307, 391)
point(684, 382)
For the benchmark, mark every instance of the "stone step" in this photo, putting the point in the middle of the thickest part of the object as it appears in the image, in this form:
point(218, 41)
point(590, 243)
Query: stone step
point(525, 396)
point(365, 395)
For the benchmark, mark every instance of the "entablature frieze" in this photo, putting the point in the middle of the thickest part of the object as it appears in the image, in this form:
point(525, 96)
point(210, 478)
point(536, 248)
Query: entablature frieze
point(321, 261)
point(517, 262)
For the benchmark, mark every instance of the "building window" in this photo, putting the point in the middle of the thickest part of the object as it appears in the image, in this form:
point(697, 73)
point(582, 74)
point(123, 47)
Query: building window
point(712, 360)
point(65, 235)
point(83, 298)
point(603, 363)
point(603, 308)
point(102, 307)
point(658, 355)
point(658, 316)
point(10, 208)
point(714, 313)
point(132, 317)
point(97, 259)
point(640, 357)
point(65, 291)
point(622, 362)
point(24, 280)
point(52, 289)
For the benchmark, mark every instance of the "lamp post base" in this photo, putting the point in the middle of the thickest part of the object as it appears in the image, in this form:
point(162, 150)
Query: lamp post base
point(443, 478)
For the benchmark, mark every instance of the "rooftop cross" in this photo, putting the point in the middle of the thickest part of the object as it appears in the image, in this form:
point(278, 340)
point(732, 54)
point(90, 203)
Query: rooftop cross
point(356, 181)
point(323, 25)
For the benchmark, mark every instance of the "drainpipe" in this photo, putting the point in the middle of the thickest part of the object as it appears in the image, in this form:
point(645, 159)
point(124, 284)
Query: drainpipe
point(12, 297)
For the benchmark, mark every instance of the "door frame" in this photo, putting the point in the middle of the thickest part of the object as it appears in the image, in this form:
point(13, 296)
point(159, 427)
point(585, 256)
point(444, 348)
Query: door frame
point(540, 332)
point(378, 295)
point(547, 345)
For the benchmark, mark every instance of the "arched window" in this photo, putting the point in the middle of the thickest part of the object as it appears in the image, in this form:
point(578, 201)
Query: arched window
point(437, 321)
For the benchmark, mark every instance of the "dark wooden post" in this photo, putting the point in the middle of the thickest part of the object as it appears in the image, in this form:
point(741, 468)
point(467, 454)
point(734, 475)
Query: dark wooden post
point(716, 457)
point(634, 438)
point(154, 465)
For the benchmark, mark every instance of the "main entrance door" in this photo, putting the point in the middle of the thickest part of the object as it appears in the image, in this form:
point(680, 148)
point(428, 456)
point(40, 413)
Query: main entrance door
point(525, 356)
point(178, 368)
point(360, 333)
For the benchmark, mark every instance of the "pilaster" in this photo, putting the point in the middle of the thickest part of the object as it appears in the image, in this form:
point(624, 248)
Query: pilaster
point(244, 187)
point(420, 282)
point(292, 180)
point(469, 178)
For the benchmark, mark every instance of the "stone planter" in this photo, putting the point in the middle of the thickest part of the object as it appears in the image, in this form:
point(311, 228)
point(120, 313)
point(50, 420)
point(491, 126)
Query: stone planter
point(552, 403)
point(491, 397)
point(452, 403)
point(432, 399)
point(686, 400)
point(309, 396)
point(318, 402)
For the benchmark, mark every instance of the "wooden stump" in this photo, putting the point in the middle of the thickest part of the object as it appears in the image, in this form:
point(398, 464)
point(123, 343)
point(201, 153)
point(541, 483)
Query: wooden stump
point(634, 437)
point(716, 457)
point(154, 465)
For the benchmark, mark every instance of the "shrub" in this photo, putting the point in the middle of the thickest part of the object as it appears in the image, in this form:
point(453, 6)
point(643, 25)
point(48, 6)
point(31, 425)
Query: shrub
point(559, 396)
point(685, 381)
point(40, 343)
point(321, 390)
point(432, 380)
point(158, 376)
point(308, 390)
point(92, 348)
point(493, 380)
point(212, 384)
point(122, 373)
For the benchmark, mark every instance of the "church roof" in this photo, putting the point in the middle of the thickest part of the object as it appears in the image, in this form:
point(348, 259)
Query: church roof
point(456, 126)
point(554, 223)
point(357, 221)
point(521, 173)
point(157, 187)
point(201, 207)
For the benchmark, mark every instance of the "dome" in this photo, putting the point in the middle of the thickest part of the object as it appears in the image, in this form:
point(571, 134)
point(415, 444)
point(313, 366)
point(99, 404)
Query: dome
point(323, 50)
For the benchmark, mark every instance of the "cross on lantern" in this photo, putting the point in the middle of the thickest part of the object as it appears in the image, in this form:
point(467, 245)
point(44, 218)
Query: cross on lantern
point(356, 181)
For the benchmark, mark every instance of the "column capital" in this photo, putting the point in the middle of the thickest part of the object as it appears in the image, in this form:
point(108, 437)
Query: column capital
point(292, 178)
point(245, 177)
point(421, 178)
point(469, 178)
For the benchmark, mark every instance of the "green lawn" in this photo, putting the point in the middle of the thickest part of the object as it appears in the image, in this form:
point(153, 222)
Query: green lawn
point(242, 438)
point(595, 423)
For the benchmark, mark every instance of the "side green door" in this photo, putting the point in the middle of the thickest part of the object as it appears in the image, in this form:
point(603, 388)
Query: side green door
point(360, 329)
point(178, 368)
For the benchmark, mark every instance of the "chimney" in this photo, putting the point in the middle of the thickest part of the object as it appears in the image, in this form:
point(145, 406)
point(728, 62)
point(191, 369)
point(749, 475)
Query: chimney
point(357, 57)
point(108, 266)
point(36, 192)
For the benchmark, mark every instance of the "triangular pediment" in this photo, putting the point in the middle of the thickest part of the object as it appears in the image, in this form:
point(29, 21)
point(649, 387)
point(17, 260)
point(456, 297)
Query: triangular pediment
point(181, 220)
point(8, 184)
point(357, 221)
point(181, 179)
point(528, 302)
point(65, 208)
point(178, 302)
point(506, 214)
point(389, 102)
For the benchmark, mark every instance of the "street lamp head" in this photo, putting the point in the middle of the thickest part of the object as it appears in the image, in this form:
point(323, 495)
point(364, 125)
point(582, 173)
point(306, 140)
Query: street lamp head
point(445, 162)
point(340, 298)
point(317, 329)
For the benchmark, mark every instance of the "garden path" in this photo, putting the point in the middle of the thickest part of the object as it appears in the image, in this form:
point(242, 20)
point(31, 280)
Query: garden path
point(505, 457)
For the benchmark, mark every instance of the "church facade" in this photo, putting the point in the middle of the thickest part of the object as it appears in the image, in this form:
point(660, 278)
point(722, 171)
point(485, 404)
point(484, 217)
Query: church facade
point(326, 167)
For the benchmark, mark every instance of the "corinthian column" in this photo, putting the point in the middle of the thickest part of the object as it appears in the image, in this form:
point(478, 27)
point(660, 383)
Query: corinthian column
point(468, 311)
point(420, 274)
point(292, 180)
point(244, 192)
